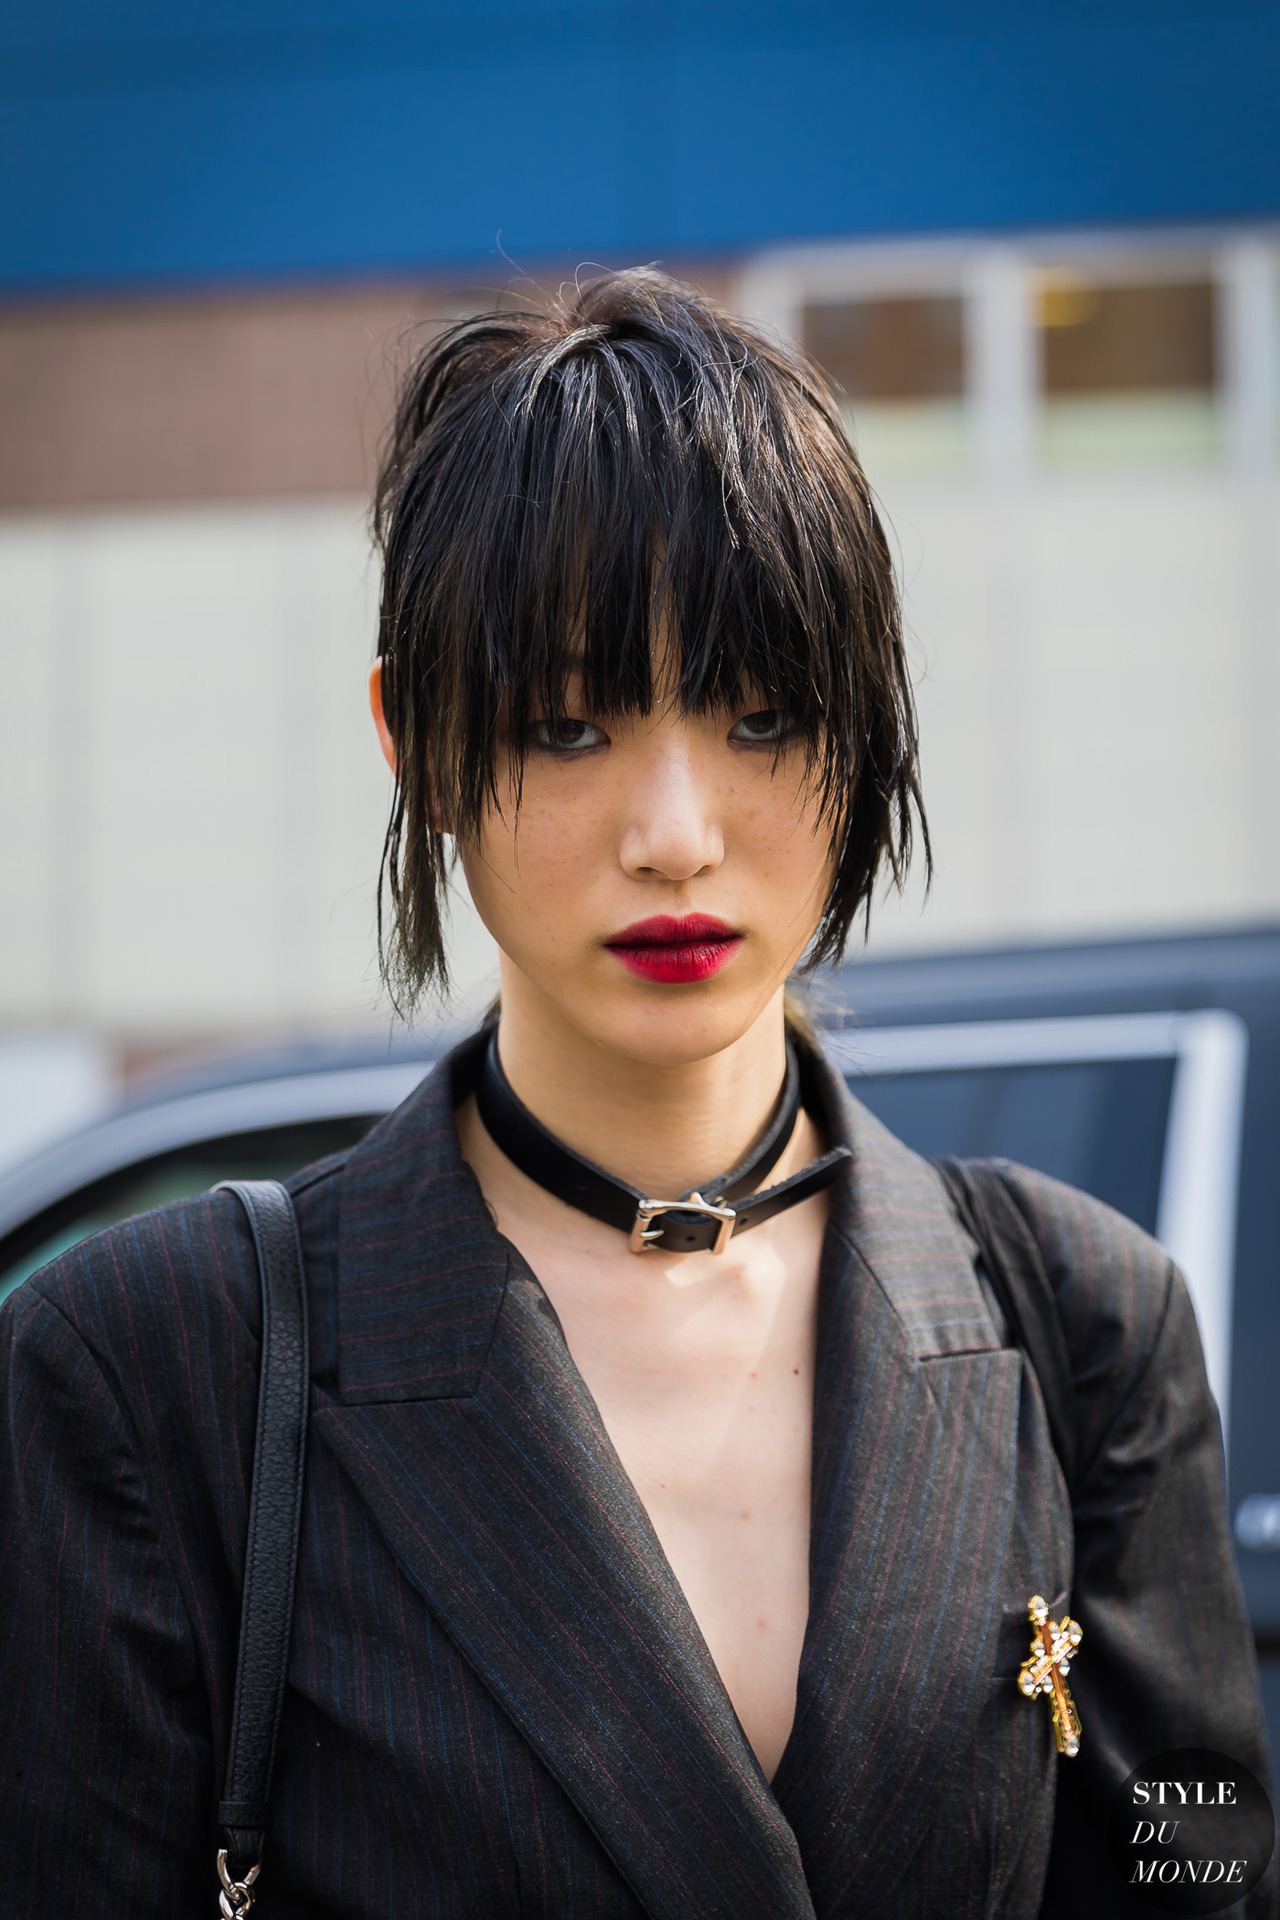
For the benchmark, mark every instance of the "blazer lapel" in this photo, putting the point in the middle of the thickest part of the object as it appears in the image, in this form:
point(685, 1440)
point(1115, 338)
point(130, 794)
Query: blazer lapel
point(462, 1422)
point(915, 1432)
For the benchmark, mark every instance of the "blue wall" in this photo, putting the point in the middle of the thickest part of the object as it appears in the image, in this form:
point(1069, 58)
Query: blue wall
point(161, 141)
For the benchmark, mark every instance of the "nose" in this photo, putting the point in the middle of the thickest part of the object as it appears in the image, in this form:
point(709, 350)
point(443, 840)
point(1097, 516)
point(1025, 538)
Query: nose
point(673, 828)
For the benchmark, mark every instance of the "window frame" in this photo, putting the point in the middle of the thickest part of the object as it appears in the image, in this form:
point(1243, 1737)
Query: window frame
point(997, 278)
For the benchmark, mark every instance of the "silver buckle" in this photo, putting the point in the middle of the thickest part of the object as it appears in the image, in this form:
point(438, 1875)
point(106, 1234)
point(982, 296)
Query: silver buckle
point(643, 1235)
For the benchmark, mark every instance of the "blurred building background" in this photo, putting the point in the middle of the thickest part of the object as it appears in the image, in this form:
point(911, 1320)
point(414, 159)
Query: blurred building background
point(1039, 247)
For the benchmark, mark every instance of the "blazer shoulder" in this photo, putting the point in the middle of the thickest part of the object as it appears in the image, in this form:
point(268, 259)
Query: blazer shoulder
point(174, 1284)
point(156, 1278)
point(1126, 1311)
point(1101, 1265)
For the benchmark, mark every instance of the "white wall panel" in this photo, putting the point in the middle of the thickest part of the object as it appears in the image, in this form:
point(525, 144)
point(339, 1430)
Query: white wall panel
point(187, 856)
point(1099, 702)
point(32, 766)
point(1137, 703)
point(193, 795)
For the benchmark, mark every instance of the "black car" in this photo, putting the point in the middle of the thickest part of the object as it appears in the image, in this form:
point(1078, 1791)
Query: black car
point(1145, 1071)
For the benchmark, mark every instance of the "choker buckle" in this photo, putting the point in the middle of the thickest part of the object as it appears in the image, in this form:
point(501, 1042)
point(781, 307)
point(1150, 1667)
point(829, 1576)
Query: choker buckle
point(644, 1234)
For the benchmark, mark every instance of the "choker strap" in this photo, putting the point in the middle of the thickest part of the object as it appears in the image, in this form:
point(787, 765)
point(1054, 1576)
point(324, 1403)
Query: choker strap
point(704, 1218)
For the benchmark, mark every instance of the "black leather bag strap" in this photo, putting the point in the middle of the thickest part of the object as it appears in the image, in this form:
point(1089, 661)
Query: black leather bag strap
point(1014, 1266)
point(271, 1556)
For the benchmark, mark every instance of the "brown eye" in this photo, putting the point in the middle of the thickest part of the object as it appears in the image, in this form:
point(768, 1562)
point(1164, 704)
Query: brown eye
point(768, 728)
point(562, 735)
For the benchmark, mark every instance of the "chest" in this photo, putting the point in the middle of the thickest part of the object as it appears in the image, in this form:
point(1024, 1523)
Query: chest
point(703, 1378)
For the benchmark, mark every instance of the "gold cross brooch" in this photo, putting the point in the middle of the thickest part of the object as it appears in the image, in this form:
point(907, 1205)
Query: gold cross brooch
point(1053, 1642)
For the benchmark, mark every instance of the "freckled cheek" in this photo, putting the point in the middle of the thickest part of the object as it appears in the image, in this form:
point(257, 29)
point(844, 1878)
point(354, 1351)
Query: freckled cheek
point(529, 881)
point(561, 843)
point(781, 839)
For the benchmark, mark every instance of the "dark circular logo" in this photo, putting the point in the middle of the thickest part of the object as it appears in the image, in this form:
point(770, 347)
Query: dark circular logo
point(1191, 1831)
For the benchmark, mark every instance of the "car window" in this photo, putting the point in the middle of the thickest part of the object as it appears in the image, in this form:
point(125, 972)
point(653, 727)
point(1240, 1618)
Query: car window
point(269, 1154)
point(1099, 1125)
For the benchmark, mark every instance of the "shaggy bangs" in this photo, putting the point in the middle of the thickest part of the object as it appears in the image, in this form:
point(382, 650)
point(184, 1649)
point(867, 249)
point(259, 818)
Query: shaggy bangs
point(562, 487)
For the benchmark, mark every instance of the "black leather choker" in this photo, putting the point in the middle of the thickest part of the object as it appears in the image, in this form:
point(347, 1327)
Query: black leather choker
point(705, 1218)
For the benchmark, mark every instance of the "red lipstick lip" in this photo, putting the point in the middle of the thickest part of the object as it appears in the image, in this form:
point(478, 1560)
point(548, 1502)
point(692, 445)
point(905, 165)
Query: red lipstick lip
point(675, 952)
point(664, 930)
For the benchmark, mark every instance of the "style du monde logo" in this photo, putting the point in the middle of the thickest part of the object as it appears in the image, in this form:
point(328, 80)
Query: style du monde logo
point(1191, 1831)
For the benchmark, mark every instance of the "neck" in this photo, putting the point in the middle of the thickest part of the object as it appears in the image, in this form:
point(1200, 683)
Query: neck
point(662, 1127)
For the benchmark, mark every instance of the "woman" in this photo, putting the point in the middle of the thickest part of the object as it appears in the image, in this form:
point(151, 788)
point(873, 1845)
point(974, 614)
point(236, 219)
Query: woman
point(660, 1556)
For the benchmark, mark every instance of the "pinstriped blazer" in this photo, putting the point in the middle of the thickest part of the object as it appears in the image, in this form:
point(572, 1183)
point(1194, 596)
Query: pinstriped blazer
point(499, 1702)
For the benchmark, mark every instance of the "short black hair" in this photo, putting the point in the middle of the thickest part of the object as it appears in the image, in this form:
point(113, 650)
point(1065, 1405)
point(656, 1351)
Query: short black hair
point(554, 483)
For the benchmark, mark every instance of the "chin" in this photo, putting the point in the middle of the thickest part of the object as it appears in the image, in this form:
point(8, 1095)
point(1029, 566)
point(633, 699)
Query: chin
point(674, 1026)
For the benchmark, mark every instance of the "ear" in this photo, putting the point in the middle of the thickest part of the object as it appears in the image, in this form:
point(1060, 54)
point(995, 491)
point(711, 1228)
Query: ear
point(385, 741)
point(388, 745)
